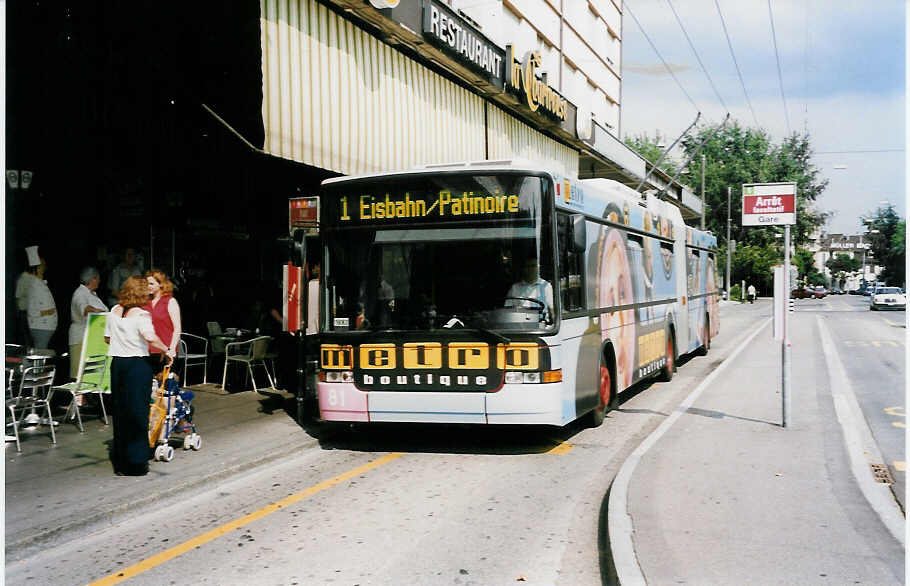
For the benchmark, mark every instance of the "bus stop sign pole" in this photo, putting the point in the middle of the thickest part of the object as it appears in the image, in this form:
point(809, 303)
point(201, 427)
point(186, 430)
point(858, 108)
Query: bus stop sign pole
point(774, 204)
point(785, 342)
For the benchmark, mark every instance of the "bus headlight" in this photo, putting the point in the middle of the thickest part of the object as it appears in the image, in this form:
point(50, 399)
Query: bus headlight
point(339, 376)
point(549, 376)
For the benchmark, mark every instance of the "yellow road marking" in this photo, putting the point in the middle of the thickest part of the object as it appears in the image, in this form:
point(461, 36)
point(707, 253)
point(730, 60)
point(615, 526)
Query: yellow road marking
point(899, 466)
point(898, 424)
point(156, 560)
point(896, 411)
point(560, 448)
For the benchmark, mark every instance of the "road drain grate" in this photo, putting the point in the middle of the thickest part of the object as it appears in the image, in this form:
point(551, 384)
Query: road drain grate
point(881, 473)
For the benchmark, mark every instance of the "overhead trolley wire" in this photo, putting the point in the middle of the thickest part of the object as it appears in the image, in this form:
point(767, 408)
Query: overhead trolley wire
point(669, 70)
point(780, 78)
point(735, 63)
point(858, 151)
point(698, 57)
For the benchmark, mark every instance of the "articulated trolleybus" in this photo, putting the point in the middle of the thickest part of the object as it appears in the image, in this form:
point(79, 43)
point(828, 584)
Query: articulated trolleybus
point(498, 293)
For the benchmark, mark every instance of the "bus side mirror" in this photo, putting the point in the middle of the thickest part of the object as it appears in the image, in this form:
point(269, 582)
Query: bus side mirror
point(579, 233)
point(298, 247)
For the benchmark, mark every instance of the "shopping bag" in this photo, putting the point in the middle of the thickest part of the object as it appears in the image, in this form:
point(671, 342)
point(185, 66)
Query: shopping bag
point(157, 409)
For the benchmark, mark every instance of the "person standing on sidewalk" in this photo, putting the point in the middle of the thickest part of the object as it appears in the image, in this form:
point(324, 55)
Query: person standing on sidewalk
point(84, 301)
point(751, 293)
point(41, 308)
point(129, 332)
point(120, 273)
point(165, 312)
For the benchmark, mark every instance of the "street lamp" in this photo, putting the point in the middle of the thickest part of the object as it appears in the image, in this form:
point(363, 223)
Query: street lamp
point(873, 231)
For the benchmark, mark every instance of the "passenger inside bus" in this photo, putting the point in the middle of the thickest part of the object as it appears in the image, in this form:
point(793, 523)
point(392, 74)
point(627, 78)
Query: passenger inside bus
point(530, 291)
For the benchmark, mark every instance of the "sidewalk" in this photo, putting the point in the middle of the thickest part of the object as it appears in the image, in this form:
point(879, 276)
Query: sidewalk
point(54, 492)
point(728, 496)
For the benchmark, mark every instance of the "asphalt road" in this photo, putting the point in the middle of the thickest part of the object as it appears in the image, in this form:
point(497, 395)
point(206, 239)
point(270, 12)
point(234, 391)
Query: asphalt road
point(399, 504)
point(872, 347)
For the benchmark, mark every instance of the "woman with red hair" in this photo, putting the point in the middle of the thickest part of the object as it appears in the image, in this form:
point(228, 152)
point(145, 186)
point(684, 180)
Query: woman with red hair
point(130, 333)
point(165, 313)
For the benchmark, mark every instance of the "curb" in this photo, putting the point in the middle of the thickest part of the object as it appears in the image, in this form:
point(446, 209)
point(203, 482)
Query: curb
point(95, 520)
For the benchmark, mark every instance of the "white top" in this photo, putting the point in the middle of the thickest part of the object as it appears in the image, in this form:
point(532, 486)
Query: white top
point(40, 299)
point(312, 307)
point(23, 283)
point(129, 335)
point(540, 290)
point(82, 298)
point(751, 290)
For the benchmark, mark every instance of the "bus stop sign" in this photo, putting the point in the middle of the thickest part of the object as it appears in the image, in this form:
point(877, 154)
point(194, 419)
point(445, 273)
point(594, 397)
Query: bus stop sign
point(769, 204)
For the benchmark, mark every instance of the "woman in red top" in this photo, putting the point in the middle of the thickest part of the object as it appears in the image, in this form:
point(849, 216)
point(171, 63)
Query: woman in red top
point(165, 316)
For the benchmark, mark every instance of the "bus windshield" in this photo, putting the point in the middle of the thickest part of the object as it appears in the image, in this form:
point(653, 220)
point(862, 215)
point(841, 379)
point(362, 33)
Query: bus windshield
point(421, 252)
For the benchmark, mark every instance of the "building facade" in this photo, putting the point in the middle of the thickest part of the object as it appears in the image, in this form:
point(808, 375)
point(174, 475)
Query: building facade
point(828, 246)
point(182, 129)
point(354, 87)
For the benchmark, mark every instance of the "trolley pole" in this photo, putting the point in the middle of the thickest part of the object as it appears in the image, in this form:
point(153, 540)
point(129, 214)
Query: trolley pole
point(728, 242)
point(785, 342)
point(704, 201)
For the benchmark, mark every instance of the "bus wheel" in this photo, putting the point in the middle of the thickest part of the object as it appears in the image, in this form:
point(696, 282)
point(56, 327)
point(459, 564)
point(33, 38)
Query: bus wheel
point(605, 398)
point(666, 374)
point(703, 350)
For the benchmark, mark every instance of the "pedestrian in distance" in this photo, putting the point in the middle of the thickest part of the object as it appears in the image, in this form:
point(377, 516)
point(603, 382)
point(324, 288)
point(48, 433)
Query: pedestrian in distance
point(751, 293)
point(84, 301)
point(128, 267)
point(130, 333)
point(165, 312)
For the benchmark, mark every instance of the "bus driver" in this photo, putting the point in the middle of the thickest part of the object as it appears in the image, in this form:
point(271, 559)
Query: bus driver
point(531, 286)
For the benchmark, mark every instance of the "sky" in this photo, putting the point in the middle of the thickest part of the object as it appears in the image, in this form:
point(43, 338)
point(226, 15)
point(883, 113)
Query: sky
point(842, 64)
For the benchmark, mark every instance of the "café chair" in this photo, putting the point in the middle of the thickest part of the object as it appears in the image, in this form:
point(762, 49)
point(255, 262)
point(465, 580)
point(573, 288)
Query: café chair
point(89, 380)
point(216, 336)
point(195, 352)
point(250, 352)
point(32, 394)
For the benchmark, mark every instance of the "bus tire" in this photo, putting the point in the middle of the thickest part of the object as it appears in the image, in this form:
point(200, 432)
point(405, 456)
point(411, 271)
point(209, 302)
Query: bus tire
point(607, 397)
point(703, 350)
point(666, 373)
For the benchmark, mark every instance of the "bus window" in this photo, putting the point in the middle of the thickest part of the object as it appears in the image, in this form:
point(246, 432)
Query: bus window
point(571, 267)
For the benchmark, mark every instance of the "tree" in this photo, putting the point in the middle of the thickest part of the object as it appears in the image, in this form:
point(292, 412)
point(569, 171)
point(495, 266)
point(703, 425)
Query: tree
point(888, 244)
point(647, 147)
point(736, 155)
point(805, 263)
point(754, 264)
point(842, 265)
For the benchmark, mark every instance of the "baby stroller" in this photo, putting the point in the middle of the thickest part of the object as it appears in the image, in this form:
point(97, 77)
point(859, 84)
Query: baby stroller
point(171, 413)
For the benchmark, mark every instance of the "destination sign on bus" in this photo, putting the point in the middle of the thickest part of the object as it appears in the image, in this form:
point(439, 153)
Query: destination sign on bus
point(443, 204)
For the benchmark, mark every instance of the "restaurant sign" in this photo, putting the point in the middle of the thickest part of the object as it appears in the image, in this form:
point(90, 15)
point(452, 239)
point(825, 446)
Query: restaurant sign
point(522, 79)
point(456, 36)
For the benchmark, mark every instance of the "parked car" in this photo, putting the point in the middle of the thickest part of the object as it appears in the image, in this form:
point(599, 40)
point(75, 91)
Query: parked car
point(837, 291)
point(888, 298)
point(801, 293)
point(819, 292)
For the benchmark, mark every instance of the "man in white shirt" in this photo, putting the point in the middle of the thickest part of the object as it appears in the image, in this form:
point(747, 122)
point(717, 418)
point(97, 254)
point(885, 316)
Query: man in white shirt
point(532, 287)
point(84, 301)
